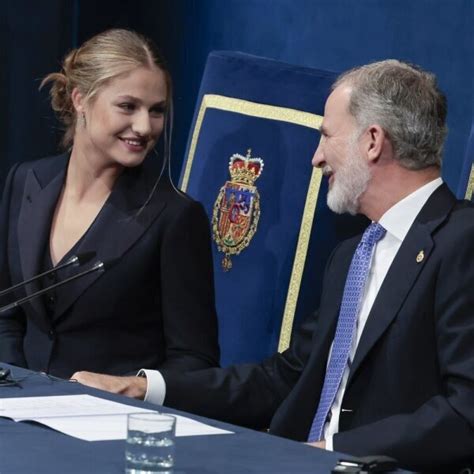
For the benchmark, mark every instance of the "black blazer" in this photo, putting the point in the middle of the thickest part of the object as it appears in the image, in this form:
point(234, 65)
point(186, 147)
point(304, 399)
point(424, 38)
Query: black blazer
point(410, 392)
point(153, 308)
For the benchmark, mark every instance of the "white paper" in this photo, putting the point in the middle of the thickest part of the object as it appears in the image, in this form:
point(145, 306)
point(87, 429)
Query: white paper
point(89, 418)
point(35, 408)
point(109, 427)
point(188, 427)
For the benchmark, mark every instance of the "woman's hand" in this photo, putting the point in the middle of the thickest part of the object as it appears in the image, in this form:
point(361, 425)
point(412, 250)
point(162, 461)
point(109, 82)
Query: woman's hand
point(131, 386)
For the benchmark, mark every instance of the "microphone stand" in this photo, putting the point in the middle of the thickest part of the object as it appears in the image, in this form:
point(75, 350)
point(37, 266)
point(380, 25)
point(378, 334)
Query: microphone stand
point(98, 266)
point(75, 260)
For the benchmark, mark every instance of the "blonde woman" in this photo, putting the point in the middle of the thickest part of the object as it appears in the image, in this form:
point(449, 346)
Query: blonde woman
point(154, 307)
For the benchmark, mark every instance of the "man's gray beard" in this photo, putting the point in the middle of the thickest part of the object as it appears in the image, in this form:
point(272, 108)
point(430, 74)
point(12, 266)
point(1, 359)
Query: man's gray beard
point(350, 182)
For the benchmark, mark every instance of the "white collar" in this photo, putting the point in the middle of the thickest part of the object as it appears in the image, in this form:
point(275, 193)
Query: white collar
point(399, 218)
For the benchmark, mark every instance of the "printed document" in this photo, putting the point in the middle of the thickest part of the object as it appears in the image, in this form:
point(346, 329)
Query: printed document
point(89, 418)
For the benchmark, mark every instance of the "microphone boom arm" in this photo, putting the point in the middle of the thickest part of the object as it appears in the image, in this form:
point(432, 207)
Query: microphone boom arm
point(98, 266)
point(74, 260)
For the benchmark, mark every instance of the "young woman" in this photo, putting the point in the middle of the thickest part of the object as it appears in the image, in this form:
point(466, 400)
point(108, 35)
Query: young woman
point(154, 306)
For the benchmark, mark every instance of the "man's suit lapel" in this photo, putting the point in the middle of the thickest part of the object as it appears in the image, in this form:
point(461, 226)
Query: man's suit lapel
point(120, 223)
point(403, 273)
point(41, 192)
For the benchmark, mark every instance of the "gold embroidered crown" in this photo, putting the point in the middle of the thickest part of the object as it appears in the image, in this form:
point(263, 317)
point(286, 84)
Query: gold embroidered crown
point(245, 169)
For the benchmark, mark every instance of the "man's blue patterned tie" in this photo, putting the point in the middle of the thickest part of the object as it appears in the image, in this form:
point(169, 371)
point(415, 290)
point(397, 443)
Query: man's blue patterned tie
point(346, 324)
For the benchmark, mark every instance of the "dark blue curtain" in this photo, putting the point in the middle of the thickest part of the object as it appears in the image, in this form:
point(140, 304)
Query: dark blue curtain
point(32, 39)
point(325, 34)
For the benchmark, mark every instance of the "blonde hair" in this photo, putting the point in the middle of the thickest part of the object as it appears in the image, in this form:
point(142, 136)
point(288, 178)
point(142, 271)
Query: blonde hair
point(99, 60)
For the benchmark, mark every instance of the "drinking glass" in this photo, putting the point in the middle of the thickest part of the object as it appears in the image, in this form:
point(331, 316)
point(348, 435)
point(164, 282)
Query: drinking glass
point(150, 443)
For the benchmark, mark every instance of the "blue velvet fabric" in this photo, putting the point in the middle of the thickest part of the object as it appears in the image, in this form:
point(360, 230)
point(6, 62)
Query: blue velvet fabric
point(467, 168)
point(251, 296)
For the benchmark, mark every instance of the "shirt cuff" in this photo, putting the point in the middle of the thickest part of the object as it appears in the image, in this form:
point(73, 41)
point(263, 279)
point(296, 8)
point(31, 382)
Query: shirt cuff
point(155, 387)
point(329, 444)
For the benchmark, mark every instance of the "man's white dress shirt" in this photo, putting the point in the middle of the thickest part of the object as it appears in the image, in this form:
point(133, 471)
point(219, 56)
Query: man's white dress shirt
point(397, 222)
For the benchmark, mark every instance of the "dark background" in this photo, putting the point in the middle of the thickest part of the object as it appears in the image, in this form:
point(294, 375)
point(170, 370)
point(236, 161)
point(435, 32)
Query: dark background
point(326, 34)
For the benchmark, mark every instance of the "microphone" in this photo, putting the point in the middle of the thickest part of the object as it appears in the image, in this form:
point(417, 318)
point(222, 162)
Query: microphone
point(75, 260)
point(97, 267)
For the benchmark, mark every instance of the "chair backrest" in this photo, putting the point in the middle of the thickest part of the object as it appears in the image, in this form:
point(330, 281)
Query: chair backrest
point(248, 160)
point(466, 183)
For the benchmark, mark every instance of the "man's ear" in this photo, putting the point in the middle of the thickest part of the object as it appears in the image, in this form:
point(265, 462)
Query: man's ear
point(77, 101)
point(374, 141)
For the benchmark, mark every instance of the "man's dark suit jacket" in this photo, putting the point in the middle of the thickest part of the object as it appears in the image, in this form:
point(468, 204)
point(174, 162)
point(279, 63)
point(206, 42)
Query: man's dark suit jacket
point(410, 392)
point(154, 307)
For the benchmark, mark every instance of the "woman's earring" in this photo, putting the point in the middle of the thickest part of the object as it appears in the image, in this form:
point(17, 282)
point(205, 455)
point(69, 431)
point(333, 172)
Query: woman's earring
point(83, 119)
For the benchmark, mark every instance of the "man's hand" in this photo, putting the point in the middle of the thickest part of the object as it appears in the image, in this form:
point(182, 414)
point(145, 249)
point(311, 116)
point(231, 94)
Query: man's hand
point(134, 387)
point(318, 444)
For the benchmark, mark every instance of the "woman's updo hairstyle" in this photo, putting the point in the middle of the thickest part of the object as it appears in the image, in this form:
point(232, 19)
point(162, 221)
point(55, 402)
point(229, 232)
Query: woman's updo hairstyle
point(89, 67)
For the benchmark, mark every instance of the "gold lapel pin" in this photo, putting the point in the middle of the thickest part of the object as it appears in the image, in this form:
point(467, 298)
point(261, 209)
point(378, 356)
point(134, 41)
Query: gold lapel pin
point(420, 256)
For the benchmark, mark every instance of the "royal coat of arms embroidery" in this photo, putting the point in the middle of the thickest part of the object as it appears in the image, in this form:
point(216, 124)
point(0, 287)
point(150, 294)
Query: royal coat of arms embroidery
point(237, 207)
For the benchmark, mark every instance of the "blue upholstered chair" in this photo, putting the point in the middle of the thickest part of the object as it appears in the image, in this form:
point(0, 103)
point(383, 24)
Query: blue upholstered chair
point(466, 183)
point(248, 160)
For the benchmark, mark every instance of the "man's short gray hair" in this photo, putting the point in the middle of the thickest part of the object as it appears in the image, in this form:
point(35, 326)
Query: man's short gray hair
point(406, 102)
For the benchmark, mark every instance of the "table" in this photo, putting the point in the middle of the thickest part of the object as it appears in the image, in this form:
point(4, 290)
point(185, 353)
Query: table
point(29, 448)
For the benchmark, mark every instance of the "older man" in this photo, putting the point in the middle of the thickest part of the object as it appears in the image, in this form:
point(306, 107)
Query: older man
point(387, 363)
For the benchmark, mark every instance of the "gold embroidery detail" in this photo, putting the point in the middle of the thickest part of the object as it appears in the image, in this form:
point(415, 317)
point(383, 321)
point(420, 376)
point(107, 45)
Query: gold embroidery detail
point(237, 207)
point(282, 114)
point(470, 185)
point(245, 107)
point(300, 259)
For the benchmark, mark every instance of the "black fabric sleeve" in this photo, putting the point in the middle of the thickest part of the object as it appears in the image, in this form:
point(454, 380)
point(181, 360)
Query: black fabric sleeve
point(187, 285)
point(247, 394)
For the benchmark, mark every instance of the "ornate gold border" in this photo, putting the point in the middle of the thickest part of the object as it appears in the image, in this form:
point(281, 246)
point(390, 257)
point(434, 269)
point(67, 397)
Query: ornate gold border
point(470, 184)
point(282, 114)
